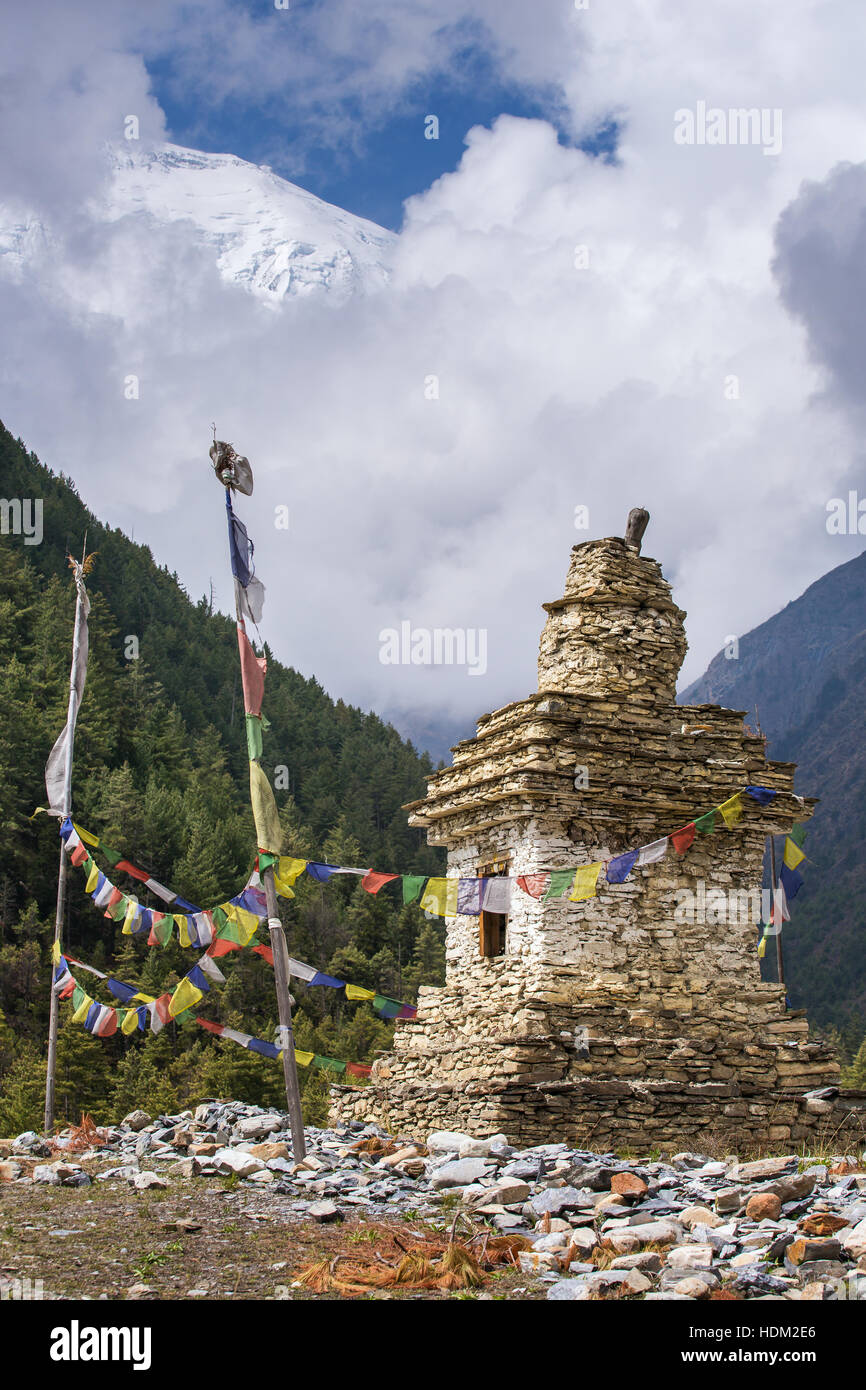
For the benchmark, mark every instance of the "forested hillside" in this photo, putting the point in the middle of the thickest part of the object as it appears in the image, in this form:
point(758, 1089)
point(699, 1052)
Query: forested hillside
point(161, 775)
point(804, 672)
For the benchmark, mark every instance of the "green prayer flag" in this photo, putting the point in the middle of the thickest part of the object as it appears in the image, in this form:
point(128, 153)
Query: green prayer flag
point(798, 834)
point(113, 859)
point(412, 885)
point(560, 879)
point(706, 824)
point(78, 996)
point(254, 735)
point(118, 912)
point(231, 932)
point(328, 1063)
point(164, 930)
point(268, 861)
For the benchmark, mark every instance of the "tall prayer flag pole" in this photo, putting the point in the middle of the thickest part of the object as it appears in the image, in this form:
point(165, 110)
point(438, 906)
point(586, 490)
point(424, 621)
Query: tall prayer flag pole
point(779, 964)
point(234, 472)
point(58, 784)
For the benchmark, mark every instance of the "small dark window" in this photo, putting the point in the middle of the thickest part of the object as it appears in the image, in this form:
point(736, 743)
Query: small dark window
point(492, 925)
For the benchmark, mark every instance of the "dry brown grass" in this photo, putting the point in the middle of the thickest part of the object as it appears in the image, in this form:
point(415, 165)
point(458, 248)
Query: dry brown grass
point(396, 1259)
point(81, 1137)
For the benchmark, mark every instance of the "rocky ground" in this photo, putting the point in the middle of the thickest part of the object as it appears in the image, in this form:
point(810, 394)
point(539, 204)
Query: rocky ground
point(209, 1204)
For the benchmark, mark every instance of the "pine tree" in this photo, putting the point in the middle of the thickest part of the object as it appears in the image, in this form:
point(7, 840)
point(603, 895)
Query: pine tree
point(854, 1077)
point(22, 1100)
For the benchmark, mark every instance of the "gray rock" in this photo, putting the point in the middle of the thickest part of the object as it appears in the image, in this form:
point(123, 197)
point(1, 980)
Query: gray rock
point(460, 1173)
point(812, 1270)
point(232, 1161)
point(645, 1260)
point(136, 1120)
point(447, 1141)
point(754, 1279)
point(568, 1291)
point(61, 1175)
point(22, 1142)
point(143, 1181)
point(257, 1126)
point(595, 1176)
point(672, 1278)
point(763, 1169)
point(555, 1200)
point(324, 1212)
point(507, 1193)
point(121, 1172)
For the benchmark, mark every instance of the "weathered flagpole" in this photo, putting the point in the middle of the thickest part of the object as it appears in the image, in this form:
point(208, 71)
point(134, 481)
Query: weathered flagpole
point(226, 465)
point(780, 969)
point(66, 810)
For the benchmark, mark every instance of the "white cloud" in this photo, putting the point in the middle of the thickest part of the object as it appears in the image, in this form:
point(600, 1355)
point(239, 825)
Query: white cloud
point(559, 386)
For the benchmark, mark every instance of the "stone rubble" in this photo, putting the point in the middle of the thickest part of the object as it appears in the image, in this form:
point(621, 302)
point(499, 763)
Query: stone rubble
point(679, 1226)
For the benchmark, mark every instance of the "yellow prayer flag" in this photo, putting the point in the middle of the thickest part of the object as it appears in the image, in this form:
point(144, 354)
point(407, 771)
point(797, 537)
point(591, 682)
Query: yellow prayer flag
point(56, 953)
point(269, 832)
point(85, 835)
point(282, 888)
point(356, 992)
point(182, 929)
point(762, 948)
point(143, 998)
point(732, 809)
point(793, 853)
point(440, 896)
point(246, 922)
point(92, 877)
point(83, 1008)
point(289, 869)
point(130, 1023)
point(183, 998)
point(304, 1059)
point(585, 881)
point(131, 910)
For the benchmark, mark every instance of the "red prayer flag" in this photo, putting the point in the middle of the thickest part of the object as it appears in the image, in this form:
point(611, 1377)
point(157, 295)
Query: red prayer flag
point(78, 855)
point(681, 839)
point(534, 884)
point(265, 952)
point(357, 1070)
point(252, 673)
point(211, 1027)
point(161, 1007)
point(221, 947)
point(130, 869)
point(155, 917)
point(373, 881)
point(110, 1024)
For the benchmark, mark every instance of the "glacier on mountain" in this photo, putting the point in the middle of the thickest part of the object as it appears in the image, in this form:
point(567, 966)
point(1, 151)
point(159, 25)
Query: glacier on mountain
point(266, 234)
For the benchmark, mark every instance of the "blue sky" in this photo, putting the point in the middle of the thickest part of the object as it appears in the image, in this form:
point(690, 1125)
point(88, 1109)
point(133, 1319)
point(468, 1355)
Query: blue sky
point(367, 160)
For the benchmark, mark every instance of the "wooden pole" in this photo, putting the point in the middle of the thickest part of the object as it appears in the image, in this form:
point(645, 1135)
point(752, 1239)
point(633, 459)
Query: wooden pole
point(60, 910)
point(780, 969)
point(284, 1006)
point(281, 973)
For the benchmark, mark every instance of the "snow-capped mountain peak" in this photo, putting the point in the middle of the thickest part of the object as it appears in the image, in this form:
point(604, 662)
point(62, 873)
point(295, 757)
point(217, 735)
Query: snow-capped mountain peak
point(267, 234)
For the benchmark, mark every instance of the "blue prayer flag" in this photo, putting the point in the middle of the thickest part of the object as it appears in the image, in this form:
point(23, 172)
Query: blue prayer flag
point(792, 882)
point(321, 872)
point(763, 795)
point(619, 868)
point(121, 991)
point(240, 546)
